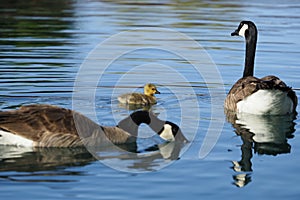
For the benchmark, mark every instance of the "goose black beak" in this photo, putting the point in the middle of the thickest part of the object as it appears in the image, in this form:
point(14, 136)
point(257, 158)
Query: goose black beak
point(180, 137)
point(235, 33)
point(157, 92)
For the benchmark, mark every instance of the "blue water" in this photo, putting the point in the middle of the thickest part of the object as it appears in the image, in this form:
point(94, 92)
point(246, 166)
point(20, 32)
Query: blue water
point(75, 54)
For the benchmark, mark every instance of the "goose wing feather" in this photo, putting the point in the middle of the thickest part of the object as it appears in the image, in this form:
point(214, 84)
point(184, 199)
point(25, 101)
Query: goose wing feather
point(250, 84)
point(34, 121)
point(279, 84)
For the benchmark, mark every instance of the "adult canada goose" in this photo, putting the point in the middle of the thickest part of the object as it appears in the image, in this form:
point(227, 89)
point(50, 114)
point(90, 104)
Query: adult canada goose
point(147, 98)
point(52, 126)
point(266, 96)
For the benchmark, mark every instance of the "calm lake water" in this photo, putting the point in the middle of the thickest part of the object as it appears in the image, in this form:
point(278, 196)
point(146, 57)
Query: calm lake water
point(82, 54)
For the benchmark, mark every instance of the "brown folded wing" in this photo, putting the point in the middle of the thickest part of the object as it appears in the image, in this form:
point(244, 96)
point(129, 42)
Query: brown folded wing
point(249, 85)
point(42, 122)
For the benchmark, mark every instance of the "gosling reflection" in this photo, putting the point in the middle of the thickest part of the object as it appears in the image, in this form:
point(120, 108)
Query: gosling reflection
point(264, 135)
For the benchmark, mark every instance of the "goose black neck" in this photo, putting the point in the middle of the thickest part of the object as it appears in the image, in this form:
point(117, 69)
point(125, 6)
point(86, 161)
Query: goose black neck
point(251, 39)
point(132, 122)
point(149, 118)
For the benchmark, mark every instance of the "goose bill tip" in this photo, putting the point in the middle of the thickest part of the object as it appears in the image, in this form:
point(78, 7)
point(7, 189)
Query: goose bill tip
point(235, 33)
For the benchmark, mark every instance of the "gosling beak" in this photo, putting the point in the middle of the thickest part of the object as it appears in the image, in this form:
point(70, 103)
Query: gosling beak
point(157, 92)
point(235, 33)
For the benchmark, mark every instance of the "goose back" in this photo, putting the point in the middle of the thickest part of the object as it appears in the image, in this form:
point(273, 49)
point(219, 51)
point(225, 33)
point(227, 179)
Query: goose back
point(247, 86)
point(48, 125)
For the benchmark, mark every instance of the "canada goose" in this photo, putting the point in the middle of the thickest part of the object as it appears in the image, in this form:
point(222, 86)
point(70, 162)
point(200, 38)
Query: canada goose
point(266, 96)
point(147, 98)
point(52, 126)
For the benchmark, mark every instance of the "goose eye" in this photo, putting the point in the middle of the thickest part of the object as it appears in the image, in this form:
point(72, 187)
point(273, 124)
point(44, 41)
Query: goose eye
point(246, 32)
point(174, 130)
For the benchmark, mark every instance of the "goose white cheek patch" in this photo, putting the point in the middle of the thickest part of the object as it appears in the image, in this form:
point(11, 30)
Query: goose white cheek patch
point(243, 30)
point(167, 133)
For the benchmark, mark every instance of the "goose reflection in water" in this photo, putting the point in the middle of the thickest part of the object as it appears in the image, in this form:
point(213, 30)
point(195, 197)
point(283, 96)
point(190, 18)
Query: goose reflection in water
point(47, 164)
point(264, 135)
point(43, 164)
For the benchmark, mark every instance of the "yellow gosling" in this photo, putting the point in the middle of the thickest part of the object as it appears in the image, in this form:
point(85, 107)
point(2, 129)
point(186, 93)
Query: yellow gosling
point(147, 98)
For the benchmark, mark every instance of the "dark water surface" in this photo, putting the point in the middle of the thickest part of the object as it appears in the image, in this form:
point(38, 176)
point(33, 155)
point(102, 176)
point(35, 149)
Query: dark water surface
point(46, 57)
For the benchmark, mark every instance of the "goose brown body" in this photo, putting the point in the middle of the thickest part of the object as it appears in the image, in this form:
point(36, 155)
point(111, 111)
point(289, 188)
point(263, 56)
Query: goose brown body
point(246, 86)
point(53, 126)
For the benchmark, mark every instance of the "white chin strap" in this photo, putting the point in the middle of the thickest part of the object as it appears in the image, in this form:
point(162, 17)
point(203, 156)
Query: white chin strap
point(243, 30)
point(167, 133)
